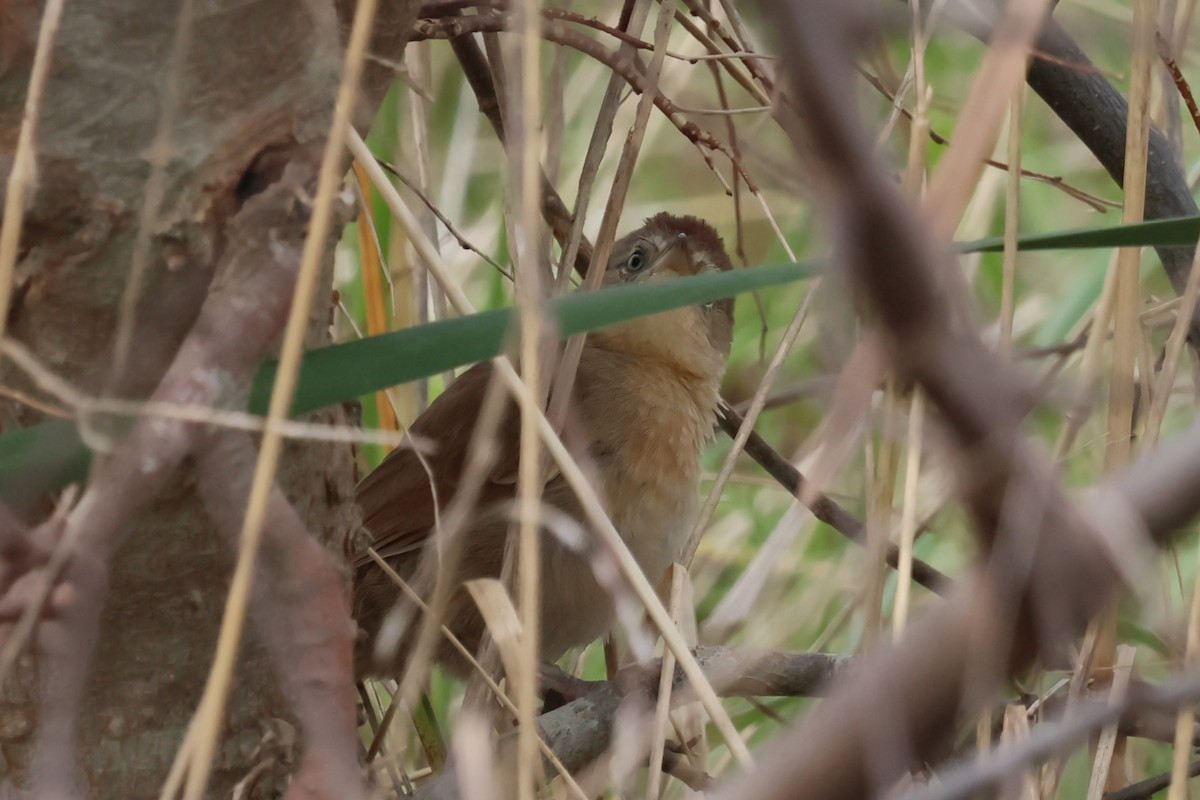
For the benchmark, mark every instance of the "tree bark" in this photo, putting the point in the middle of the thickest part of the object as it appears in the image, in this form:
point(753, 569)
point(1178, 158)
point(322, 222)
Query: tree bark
point(253, 90)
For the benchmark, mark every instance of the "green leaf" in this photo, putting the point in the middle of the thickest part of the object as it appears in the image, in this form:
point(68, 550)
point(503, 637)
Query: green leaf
point(347, 371)
point(49, 455)
point(38, 459)
point(343, 372)
point(1179, 231)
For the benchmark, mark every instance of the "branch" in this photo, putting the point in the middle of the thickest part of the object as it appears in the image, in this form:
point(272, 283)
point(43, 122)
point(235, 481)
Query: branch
point(581, 731)
point(975, 778)
point(1144, 790)
point(1097, 113)
point(301, 610)
point(821, 505)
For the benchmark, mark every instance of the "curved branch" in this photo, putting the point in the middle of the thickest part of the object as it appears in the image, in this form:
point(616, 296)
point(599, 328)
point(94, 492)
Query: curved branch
point(821, 505)
point(1097, 113)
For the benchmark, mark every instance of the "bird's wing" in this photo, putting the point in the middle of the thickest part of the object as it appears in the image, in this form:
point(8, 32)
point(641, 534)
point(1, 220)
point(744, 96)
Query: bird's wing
point(398, 499)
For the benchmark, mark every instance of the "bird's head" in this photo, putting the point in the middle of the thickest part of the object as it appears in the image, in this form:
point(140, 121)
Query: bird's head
point(666, 247)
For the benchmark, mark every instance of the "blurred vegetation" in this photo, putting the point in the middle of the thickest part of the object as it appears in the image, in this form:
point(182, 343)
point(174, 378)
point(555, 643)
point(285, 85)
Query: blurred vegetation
point(814, 594)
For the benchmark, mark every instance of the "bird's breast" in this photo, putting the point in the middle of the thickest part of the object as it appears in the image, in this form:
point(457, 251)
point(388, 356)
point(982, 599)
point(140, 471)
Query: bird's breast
point(650, 467)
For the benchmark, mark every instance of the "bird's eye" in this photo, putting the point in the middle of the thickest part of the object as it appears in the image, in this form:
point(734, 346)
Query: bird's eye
point(637, 261)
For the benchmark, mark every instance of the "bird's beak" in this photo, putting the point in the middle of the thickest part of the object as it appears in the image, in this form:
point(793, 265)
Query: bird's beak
point(678, 245)
point(681, 242)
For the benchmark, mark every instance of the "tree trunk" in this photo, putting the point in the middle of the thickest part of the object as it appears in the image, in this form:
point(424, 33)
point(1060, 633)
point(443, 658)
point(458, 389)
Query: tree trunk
point(252, 87)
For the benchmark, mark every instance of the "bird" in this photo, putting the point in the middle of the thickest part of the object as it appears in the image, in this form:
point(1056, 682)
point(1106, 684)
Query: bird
point(643, 407)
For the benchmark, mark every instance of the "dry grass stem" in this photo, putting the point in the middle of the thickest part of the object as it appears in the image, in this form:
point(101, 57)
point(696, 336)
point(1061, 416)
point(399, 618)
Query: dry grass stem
point(739, 442)
point(908, 513)
point(1012, 221)
point(638, 11)
point(1163, 383)
point(483, 674)
point(525, 142)
point(994, 85)
point(1126, 329)
point(443, 218)
point(1109, 747)
point(662, 707)
point(371, 267)
point(1186, 721)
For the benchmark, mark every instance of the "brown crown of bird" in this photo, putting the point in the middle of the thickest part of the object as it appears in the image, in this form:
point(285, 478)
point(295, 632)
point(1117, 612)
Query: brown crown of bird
point(643, 406)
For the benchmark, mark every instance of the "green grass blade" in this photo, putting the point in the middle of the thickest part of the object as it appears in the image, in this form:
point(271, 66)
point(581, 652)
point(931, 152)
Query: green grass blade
point(49, 455)
point(1180, 231)
point(346, 371)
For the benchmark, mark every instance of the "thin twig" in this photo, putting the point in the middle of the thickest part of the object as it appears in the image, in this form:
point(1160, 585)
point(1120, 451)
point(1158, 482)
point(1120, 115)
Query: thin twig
point(456, 27)
point(1181, 84)
point(1057, 181)
point(458, 235)
point(822, 506)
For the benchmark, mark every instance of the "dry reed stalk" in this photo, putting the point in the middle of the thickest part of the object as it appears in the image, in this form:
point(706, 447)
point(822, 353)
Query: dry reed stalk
point(83, 407)
point(666, 679)
point(1014, 733)
point(448, 528)
point(210, 712)
point(1080, 409)
point(448, 223)
point(418, 296)
point(887, 465)
point(994, 84)
point(1185, 723)
point(525, 142)
point(1165, 381)
point(1108, 763)
point(879, 466)
point(739, 442)
point(908, 513)
point(1012, 220)
point(634, 16)
point(572, 474)
point(1126, 336)
point(1127, 301)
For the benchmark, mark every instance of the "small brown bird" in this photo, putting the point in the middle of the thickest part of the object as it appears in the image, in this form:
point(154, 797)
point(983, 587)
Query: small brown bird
point(643, 406)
